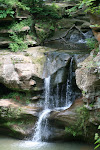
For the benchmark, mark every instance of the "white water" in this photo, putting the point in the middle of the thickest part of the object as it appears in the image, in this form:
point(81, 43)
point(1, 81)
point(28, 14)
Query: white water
point(52, 103)
point(57, 97)
point(39, 131)
point(47, 92)
point(69, 84)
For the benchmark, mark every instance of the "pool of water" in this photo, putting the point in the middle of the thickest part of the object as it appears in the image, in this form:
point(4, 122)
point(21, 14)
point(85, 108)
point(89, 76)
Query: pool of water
point(7, 143)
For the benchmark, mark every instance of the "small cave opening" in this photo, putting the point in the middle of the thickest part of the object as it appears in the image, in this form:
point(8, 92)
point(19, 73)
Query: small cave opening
point(4, 90)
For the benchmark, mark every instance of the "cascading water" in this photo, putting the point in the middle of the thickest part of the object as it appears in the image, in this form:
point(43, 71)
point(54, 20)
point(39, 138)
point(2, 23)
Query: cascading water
point(42, 123)
point(69, 92)
point(39, 126)
point(47, 92)
point(53, 102)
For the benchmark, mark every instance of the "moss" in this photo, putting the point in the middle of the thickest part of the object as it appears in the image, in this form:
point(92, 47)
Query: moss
point(11, 112)
point(18, 127)
point(81, 124)
point(74, 130)
point(39, 60)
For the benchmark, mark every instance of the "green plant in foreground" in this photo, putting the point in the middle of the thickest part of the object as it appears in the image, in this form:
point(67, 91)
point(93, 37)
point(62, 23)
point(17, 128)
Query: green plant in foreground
point(97, 138)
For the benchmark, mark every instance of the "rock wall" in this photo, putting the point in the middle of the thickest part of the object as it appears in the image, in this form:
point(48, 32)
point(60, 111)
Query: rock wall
point(88, 78)
point(25, 71)
point(81, 120)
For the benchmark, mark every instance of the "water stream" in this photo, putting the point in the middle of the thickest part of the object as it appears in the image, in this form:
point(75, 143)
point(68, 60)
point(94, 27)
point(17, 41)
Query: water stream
point(42, 131)
point(40, 128)
point(42, 123)
point(69, 92)
point(47, 92)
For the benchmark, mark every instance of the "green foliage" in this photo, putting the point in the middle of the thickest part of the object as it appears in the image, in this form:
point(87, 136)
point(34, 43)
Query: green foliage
point(73, 130)
point(4, 13)
point(83, 92)
point(16, 27)
point(80, 126)
point(17, 44)
point(18, 97)
point(71, 10)
point(92, 6)
point(46, 11)
point(83, 118)
point(94, 25)
point(13, 4)
point(44, 29)
point(10, 112)
point(97, 138)
point(38, 10)
point(14, 95)
point(91, 43)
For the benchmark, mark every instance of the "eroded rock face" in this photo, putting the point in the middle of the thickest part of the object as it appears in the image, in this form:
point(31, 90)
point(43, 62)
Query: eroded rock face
point(21, 71)
point(25, 71)
point(55, 61)
point(88, 78)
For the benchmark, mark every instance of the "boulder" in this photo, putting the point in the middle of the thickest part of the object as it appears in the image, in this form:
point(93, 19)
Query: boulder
point(55, 62)
point(22, 71)
point(16, 119)
point(77, 122)
point(88, 78)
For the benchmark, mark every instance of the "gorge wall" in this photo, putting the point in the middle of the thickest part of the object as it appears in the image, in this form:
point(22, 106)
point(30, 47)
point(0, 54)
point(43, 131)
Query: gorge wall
point(25, 75)
point(22, 77)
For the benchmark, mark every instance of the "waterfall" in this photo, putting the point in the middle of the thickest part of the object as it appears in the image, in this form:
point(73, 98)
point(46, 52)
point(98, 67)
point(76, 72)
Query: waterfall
point(69, 92)
point(47, 92)
point(53, 101)
point(57, 96)
point(42, 123)
point(39, 126)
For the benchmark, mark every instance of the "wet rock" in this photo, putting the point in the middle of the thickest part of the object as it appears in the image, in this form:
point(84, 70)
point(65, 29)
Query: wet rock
point(55, 61)
point(66, 117)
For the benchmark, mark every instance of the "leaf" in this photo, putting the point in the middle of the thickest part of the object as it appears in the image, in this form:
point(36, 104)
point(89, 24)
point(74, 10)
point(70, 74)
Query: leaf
point(97, 146)
point(99, 127)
